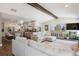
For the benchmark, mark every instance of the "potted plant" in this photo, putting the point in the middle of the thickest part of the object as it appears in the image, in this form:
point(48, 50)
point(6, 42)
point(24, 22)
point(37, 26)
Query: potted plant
point(67, 36)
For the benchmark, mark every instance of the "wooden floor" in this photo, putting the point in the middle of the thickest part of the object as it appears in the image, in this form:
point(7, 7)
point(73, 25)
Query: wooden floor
point(6, 49)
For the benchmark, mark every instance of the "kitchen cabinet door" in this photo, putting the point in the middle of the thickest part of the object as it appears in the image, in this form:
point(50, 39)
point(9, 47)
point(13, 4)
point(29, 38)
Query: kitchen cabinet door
point(35, 52)
point(18, 48)
point(26, 50)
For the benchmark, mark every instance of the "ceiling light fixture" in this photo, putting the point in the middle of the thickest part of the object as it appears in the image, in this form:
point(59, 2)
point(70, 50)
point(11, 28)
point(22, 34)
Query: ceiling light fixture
point(66, 6)
point(14, 10)
point(21, 21)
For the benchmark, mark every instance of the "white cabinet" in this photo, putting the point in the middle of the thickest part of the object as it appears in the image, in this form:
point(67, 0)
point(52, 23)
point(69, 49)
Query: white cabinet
point(35, 52)
point(21, 48)
point(18, 48)
point(14, 47)
point(26, 50)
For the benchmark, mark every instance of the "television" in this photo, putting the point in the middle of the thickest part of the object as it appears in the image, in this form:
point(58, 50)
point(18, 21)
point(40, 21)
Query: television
point(72, 26)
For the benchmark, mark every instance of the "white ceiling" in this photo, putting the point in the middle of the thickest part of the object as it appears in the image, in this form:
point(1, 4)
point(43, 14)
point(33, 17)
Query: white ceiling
point(60, 10)
point(27, 12)
point(23, 11)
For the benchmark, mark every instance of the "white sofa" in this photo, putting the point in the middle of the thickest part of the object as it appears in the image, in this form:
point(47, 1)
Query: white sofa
point(23, 47)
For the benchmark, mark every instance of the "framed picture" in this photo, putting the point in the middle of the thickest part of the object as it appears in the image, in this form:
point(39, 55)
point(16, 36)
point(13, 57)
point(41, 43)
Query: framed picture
point(46, 27)
point(39, 28)
point(2, 27)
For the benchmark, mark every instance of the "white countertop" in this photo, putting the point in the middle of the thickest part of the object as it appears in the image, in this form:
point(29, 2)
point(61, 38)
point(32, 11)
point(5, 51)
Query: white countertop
point(58, 47)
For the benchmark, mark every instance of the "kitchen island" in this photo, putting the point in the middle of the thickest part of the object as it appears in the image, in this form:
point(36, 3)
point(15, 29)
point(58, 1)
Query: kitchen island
point(26, 47)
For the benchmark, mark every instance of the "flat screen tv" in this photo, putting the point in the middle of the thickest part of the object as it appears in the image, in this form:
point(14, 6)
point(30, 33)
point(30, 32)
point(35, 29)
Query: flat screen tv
point(72, 26)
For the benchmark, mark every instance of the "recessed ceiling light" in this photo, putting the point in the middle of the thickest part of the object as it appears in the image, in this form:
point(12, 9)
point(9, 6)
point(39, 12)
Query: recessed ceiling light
point(25, 4)
point(66, 6)
point(13, 10)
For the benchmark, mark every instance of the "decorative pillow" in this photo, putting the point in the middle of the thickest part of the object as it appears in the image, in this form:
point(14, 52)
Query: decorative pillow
point(50, 38)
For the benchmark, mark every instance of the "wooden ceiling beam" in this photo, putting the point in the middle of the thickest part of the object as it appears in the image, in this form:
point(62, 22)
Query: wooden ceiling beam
point(39, 7)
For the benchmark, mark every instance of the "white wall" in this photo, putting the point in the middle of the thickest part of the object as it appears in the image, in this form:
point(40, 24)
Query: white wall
point(8, 24)
point(0, 30)
point(59, 21)
point(53, 21)
point(67, 20)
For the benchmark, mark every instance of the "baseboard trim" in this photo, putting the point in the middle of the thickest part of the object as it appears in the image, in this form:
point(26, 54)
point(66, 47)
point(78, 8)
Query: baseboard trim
point(0, 45)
